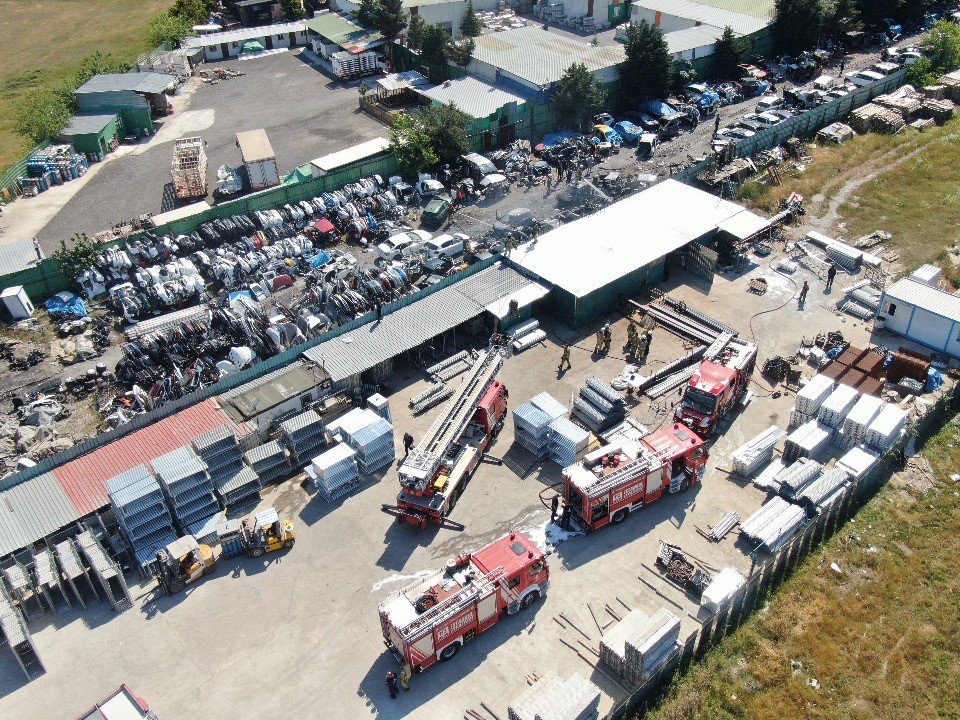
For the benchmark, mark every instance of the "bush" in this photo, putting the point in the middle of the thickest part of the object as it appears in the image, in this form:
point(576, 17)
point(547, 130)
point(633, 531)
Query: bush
point(43, 113)
point(76, 258)
point(751, 190)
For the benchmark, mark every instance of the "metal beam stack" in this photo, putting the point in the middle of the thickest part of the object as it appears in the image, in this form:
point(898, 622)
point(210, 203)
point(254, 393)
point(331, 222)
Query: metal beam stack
point(73, 570)
point(810, 398)
point(599, 406)
point(795, 478)
point(105, 570)
point(450, 367)
point(49, 582)
point(526, 335)
point(188, 488)
point(141, 509)
point(821, 493)
point(15, 632)
point(236, 484)
point(835, 408)
point(551, 698)
point(303, 434)
point(21, 585)
point(808, 440)
point(855, 425)
point(638, 645)
point(268, 461)
point(774, 523)
point(857, 462)
point(886, 428)
point(335, 472)
point(748, 458)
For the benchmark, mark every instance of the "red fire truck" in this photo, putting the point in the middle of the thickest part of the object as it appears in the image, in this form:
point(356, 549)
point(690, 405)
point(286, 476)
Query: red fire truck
point(433, 618)
point(611, 482)
point(436, 471)
point(718, 385)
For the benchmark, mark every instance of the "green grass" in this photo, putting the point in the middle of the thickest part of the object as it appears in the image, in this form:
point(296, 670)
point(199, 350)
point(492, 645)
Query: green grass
point(880, 638)
point(45, 40)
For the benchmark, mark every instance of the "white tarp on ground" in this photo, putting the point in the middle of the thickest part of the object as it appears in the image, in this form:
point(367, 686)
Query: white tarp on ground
point(592, 252)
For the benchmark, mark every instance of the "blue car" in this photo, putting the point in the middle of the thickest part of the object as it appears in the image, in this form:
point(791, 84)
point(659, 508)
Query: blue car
point(628, 131)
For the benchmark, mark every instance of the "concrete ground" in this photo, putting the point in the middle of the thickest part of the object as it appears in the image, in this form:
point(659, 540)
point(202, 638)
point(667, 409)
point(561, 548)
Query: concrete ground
point(299, 630)
point(305, 112)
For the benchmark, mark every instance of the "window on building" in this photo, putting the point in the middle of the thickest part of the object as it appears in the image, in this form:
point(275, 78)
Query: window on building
point(892, 309)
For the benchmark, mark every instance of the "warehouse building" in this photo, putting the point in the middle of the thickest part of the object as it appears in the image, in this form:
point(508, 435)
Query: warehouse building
point(444, 13)
point(229, 44)
point(330, 32)
point(594, 262)
point(135, 97)
point(921, 312)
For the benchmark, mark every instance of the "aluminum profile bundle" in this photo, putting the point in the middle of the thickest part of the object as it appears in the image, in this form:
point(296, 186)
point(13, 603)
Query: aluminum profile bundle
point(549, 405)
point(751, 455)
point(836, 407)
point(524, 328)
point(551, 698)
point(808, 440)
point(374, 445)
point(795, 478)
point(567, 441)
point(335, 472)
point(638, 645)
point(813, 394)
point(857, 310)
point(857, 462)
point(598, 401)
point(268, 461)
point(670, 382)
point(822, 491)
point(867, 296)
point(527, 341)
point(859, 418)
point(447, 362)
point(722, 589)
point(767, 480)
point(605, 390)
point(590, 416)
point(303, 434)
point(531, 427)
point(798, 418)
point(432, 399)
point(452, 366)
point(613, 645)
point(599, 405)
point(187, 485)
point(420, 397)
point(886, 428)
point(774, 523)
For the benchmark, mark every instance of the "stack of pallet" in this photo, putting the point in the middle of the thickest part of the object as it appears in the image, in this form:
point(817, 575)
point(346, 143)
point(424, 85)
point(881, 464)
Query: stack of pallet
point(303, 434)
point(823, 490)
point(873, 117)
point(188, 488)
point(793, 479)
point(567, 442)
point(937, 110)
point(638, 645)
point(526, 335)
point(887, 428)
point(807, 441)
point(268, 461)
point(951, 83)
point(774, 523)
point(142, 511)
point(748, 458)
point(934, 92)
point(551, 698)
point(531, 429)
point(599, 406)
point(836, 407)
point(236, 484)
point(906, 105)
point(854, 430)
point(810, 398)
point(373, 443)
point(335, 472)
point(189, 168)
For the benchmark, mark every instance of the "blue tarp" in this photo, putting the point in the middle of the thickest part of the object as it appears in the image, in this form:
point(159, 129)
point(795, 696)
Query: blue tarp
point(551, 139)
point(321, 258)
point(66, 303)
point(240, 293)
point(934, 380)
point(834, 353)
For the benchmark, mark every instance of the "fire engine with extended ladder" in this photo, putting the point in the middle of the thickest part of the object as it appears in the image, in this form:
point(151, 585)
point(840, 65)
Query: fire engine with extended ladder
point(436, 471)
point(432, 619)
point(613, 481)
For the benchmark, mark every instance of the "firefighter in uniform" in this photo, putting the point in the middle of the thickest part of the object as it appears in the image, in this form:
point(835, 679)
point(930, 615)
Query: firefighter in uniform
point(640, 347)
point(565, 359)
point(405, 674)
point(607, 337)
point(631, 332)
point(599, 346)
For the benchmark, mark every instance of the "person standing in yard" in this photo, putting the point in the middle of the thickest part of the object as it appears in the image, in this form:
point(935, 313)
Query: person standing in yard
point(554, 505)
point(392, 685)
point(831, 274)
point(407, 443)
point(565, 359)
point(37, 249)
point(803, 293)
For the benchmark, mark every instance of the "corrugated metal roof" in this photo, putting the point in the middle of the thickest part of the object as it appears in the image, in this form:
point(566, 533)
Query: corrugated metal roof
point(33, 510)
point(475, 97)
point(83, 479)
point(925, 297)
point(17, 255)
point(254, 145)
point(406, 328)
point(693, 38)
point(242, 34)
point(707, 14)
point(757, 8)
point(142, 82)
point(350, 155)
point(407, 78)
point(540, 57)
point(90, 124)
point(342, 30)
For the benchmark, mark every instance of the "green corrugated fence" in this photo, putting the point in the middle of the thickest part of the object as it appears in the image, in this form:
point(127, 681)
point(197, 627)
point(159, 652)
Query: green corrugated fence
point(9, 179)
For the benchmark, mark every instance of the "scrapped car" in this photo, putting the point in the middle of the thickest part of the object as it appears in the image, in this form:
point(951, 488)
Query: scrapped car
point(405, 243)
point(437, 210)
point(628, 131)
point(446, 244)
point(519, 219)
point(606, 133)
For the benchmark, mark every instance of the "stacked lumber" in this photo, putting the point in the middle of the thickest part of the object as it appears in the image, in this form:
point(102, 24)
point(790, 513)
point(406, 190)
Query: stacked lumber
point(934, 92)
point(873, 117)
point(937, 110)
point(951, 83)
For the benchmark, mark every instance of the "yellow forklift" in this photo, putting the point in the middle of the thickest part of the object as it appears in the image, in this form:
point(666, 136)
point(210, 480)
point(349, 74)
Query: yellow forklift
point(183, 562)
point(266, 532)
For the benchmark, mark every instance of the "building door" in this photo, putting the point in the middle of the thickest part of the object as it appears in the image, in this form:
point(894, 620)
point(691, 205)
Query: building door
point(224, 50)
point(268, 42)
point(293, 39)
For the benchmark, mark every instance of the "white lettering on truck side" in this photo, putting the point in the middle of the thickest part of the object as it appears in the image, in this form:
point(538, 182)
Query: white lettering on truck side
point(627, 493)
point(456, 626)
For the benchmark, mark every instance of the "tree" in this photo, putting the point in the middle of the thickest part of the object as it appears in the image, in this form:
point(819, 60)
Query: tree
point(461, 52)
point(727, 54)
point(168, 29)
point(292, 9)
point(843, 17)
point(98, 64)
point(367, 13)
point(78, 257)
point(922, 73)
point(942, 46)
point(196, 11)
point(798, 25)
point(470, 25)
point(435, 48)
point(415, 32)
point(645, 74)
point(579, 96)
point(447, 127)
point(43, 113)
point(410, 144)
point(390, 18)
point(873, 11)
point(682, 73)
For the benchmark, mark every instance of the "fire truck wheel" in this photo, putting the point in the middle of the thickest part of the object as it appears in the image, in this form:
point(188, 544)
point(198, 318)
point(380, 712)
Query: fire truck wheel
point(529, 599)
point(450, 651)
point(619, 516)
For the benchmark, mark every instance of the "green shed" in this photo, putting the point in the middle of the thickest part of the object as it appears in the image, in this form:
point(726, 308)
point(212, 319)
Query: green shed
point(93, 134)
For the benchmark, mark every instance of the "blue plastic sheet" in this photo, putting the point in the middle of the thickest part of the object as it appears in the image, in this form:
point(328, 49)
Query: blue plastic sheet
point(934, 380)
point(551, 139)
point(834, 353)
point(321, 258)
point(66, 303)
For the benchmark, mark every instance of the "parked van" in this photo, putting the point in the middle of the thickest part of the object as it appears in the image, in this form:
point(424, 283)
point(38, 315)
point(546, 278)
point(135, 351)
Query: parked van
point(863, 78)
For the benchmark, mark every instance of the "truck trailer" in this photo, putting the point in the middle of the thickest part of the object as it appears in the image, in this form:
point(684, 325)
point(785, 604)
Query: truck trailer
point(616, 479)
point(258, 158)
point(432, 619)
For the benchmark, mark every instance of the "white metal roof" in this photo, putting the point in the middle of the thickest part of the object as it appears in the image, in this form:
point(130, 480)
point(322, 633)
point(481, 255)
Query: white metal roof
point(32, 510)
point(744, 225)
point(704, 14)
point(255, 145)
point(141, 82)
point(333, 161)
point(405, 79)
point(592, 252)
point(475, 97)
point(923, 296)
point(693, 38)
point(526, 295)
point(180, 213)
point(542, 57)
point(243, 34)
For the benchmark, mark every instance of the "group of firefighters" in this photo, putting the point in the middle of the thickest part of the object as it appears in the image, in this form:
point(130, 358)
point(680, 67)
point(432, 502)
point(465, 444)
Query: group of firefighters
point(638, 343)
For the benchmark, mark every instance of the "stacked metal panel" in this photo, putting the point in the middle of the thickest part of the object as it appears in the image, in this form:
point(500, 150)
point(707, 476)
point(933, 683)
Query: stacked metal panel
point(374, 445)
point(187, 485)
point(105, 570)
point(335, 472)
point(380, 405)
point(767, 480)
point(855, 425)
point(748, 458)
point(886, 428)
point(303, 434)
point(857, 462)
point(724, 586)
point(820, 493)
point(236, 484)
point(599, 406)
point(551, 698)
point(550, 405)
point(774, 523)
point(268, 461)
point(567, 442)
point(836, 407)
point(639, 645)
point(526, 335)
point(20, 583)
point(531, 429)
point(810, 398)
point(49, 582)
point(15, 632)
point(808, 440)
point(142, 511)
point(73, 569)
point(795, 478)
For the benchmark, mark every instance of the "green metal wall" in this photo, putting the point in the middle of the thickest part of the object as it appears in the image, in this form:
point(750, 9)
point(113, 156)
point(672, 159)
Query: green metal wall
point(91, 142)
point(593, 306)
point(137, 119)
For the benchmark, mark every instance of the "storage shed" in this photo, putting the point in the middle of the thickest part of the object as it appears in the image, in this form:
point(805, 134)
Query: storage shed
point(923, 314)
point(95, 134)
point(134, 96)
point(595, 260)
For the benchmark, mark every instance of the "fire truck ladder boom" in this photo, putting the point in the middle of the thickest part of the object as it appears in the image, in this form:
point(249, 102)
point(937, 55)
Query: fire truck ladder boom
point(456, 603)
point(636, 468)
point(723, 339)
point(449, 427)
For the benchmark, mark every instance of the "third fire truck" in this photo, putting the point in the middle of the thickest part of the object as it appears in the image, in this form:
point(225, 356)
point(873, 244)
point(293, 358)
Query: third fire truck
point(611, 482)
point(433, 618)
point(435, 472)
point(718, 384)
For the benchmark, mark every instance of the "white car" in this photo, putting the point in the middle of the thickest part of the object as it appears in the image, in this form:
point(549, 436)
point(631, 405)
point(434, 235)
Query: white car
point(764, 119)
point(446, 244)
point(769, 102)
point(864, 78)
point(428, 188)
point(735, 132)
point(404, 243)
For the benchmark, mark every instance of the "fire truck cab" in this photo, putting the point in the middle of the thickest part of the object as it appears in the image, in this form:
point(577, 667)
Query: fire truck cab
point(432, 619)
point(717, 386)
point(611, 482)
